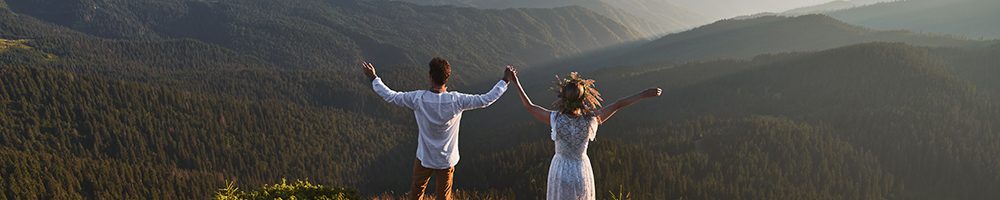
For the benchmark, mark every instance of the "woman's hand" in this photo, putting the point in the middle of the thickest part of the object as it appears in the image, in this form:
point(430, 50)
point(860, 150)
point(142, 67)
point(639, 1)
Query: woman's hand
point(510, 74)
point(651, 92)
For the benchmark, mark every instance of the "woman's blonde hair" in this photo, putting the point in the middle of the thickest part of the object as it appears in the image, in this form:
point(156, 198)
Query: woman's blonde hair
point(576, 93)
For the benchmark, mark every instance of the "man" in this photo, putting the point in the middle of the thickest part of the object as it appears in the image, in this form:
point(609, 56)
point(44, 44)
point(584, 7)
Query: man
point(438, 113)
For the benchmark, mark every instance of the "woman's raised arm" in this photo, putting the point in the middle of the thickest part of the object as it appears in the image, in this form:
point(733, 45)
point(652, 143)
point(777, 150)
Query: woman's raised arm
point(541, 114)
point(606, 112)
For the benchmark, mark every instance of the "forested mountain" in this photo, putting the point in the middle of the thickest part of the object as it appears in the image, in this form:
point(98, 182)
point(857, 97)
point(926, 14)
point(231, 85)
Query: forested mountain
point(910, 127)
point(142, 99)
point(136, 99)
point(968, 18)
point(652, 17)
point(742, 38)
point(71, 136)
point(317, 34)
point(978, 65)
point(248, 53)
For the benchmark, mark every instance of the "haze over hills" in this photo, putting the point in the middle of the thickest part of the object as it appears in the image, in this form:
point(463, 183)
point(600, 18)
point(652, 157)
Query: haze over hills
point(652, 17)
point(725, 9)
point(139, 99)
point(969, 18)
point(743, 38)
point(830, 6)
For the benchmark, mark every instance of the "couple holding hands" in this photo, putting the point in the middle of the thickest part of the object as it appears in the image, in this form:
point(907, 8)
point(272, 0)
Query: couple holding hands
point(574, 119)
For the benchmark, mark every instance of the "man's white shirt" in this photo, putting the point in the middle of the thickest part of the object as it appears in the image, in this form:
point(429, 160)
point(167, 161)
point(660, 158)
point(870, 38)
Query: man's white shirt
point(438, 118)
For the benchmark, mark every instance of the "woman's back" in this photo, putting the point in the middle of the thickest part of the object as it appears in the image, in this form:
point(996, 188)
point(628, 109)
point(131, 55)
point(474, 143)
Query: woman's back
point(570, 174)
point(572, 134)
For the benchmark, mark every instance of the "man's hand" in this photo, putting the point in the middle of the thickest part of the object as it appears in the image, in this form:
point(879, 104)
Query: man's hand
point(510, 74)
point(651, 92)
point(369, 70)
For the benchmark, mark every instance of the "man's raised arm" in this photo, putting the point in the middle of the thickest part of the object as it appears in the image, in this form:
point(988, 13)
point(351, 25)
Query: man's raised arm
point(469, 102)
point(404, 99)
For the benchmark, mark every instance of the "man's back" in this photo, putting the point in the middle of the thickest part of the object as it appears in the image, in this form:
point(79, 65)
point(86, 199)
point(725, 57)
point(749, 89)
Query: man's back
point(438, 117)
point(438, 114)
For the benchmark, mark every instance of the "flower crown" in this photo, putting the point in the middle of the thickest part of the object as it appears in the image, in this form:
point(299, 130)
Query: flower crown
point(589, 100)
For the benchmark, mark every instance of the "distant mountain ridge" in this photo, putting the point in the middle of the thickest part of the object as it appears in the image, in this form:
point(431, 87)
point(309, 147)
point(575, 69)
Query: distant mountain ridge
point(969, 18)
point(832, 6)
point(829, 6)
point(652, 17)
point(742, 38)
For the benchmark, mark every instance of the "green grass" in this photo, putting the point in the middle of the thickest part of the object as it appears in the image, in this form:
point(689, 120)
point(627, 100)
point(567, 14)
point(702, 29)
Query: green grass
point(621, 194)
point(285, 190)
point(456, 194)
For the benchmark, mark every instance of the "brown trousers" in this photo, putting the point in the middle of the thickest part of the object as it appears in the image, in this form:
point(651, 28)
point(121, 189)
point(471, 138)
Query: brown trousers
point(422, 175)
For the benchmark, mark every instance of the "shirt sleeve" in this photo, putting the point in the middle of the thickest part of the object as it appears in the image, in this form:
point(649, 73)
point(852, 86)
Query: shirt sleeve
point(405, 99)
point(469, 102)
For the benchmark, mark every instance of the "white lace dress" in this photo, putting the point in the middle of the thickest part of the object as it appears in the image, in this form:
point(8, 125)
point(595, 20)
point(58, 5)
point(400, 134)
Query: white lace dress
point(570, 175)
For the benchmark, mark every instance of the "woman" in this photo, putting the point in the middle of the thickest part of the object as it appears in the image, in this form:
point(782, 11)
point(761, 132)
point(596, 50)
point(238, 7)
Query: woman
point(574, 124)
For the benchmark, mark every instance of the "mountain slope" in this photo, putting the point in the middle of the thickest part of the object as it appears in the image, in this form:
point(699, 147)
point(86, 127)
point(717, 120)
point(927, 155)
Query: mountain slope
point(308, 34)
point(187, 78)
point(211, 51)
point(822, 8)
point(968, 18)
point(170, 109)
point(179, 144)
point(652, 17)
point(923, 123)
point(832, 6)
point(898, 102)
point(754, 157)
point(665, 13)
point(978, 65)
point(767, 34)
